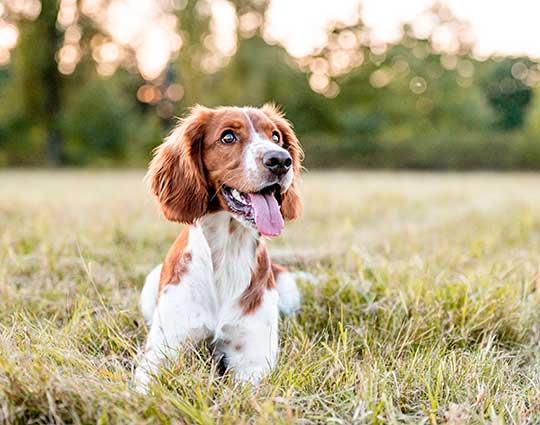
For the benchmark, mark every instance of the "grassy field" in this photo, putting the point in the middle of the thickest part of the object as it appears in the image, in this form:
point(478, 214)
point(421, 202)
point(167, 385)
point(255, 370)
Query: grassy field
point(426, 311)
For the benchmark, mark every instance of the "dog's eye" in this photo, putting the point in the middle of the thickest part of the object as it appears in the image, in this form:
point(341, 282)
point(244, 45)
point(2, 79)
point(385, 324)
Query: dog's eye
point(275, 136)
point(228, 137)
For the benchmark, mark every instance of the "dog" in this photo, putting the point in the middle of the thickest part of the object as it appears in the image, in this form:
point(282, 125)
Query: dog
point(230, 175)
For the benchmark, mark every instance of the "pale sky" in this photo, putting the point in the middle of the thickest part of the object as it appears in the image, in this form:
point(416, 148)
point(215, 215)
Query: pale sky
point(500, 26)
point(150, 28)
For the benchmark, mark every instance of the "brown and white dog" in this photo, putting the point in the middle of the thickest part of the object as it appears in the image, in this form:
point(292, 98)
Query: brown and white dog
point(230, 175)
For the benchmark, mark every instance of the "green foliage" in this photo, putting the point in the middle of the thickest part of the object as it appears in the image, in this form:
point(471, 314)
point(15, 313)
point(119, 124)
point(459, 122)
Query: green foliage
point(95, 123)
point(103, 124)
point(508, 96)
point(465, 113)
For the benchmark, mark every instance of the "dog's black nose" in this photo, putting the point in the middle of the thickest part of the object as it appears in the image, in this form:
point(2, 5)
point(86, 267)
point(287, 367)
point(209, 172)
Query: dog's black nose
point(278, 162)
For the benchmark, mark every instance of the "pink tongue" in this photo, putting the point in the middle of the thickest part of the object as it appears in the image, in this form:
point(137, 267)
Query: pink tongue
point(267, 214)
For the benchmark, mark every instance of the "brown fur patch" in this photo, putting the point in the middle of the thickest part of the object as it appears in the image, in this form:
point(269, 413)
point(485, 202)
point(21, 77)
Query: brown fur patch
point(176, 173)
point(261, 280)
point(176, 262)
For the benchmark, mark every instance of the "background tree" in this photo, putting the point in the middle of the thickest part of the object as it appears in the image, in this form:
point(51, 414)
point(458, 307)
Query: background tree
point(76, 93)
point(37, 78)
point(507, 94)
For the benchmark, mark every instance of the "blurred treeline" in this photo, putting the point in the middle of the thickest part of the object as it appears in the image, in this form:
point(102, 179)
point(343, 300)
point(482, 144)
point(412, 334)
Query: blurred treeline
point(413, 104)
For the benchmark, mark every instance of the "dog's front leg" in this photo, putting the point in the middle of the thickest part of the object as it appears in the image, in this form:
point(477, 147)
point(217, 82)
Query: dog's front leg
point(250, 345)
point(178, 319)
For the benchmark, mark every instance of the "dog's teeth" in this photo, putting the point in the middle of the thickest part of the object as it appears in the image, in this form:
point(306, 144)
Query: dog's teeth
point(237, 195)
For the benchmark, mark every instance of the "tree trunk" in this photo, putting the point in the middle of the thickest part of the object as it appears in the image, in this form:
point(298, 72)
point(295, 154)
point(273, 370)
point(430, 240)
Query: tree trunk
point(52, 83)
point(39, 79)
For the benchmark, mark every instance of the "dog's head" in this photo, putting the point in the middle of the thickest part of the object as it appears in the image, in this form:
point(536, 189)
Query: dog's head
point(241, 160)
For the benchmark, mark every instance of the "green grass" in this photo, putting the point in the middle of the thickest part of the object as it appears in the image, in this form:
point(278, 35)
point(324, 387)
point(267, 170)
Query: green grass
point(427, 310)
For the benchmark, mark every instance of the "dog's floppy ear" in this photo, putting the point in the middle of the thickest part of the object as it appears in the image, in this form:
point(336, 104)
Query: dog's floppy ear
point(291, 204)
point(176, 173)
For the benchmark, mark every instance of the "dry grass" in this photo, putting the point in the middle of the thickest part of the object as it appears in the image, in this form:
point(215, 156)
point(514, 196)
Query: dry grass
point(426, 311)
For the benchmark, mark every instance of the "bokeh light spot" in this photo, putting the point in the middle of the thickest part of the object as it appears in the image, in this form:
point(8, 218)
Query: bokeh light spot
point(520, 70)
point(318, 82)
point(380, 78)
point(175, 92)
point(418, 85)
point(8, 36)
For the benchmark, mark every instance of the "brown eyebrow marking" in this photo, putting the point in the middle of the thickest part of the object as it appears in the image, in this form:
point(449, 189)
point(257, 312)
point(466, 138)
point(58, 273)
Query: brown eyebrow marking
point(261, 122)
point(233, 124)
point(228, 126)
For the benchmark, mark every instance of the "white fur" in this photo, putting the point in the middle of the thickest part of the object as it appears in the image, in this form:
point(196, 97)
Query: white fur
point(233, 260)
point(149, 294)
point(250, 344)
point(182, 313)
point(205, 304)
point(253, 153)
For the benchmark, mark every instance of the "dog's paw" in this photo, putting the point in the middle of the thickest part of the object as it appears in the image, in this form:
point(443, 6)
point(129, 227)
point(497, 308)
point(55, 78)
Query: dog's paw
point(141, 381)
point(289, 294)
point(252, 375)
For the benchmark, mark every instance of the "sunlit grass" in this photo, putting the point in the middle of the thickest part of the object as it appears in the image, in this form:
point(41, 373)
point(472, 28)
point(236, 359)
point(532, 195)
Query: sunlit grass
point(426, 310)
